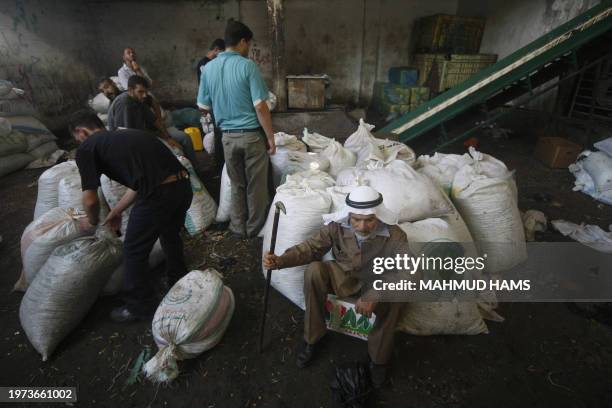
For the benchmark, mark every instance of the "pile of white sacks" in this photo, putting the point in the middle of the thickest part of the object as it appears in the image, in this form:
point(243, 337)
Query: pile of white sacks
point(593, 172)
point(65, 268)
point(469, 199)
point(24, 140)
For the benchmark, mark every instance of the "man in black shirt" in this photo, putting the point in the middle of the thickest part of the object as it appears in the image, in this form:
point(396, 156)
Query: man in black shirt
point(138, 109)
point(158, 186)
point(216, 47)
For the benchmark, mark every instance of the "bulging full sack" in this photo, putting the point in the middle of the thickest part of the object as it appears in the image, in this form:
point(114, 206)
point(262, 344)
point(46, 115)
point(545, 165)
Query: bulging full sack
point(113, 192)
point(339, 157)
point(285, 144)
point(48, 183)
point(408, 193)
point(486, 196)
point(203, 208)
point(56, 227)
point(66, 287)
point(441, 168)
point(191, 319)
point(306, 201)
point(428, 237)
point(364, 145)
point(69, 191)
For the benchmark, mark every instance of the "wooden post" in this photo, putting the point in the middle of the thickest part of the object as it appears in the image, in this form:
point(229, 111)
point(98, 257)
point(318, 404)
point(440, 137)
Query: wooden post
point(276, 19)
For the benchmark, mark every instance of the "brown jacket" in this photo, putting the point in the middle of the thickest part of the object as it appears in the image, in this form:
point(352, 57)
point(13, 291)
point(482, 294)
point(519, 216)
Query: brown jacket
point(344, 247)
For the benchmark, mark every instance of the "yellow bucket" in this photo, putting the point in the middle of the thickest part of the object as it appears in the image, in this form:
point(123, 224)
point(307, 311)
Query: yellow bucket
point(196, 138)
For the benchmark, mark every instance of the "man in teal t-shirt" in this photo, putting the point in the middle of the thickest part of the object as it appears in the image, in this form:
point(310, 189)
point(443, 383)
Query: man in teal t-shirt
point(231, 85)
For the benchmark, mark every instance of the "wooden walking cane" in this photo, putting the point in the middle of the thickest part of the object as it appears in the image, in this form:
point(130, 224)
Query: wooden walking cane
point(279, 207)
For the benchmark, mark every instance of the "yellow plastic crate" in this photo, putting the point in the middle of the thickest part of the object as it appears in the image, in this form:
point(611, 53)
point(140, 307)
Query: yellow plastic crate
point(449, 34)
point(440, 72)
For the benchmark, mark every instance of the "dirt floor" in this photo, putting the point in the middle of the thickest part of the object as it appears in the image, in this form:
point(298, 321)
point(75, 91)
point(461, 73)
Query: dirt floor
point(543, 355)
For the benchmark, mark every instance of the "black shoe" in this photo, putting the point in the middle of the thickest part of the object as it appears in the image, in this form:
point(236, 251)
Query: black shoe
point(378, 375)
point(122, 314)
point(306, 355)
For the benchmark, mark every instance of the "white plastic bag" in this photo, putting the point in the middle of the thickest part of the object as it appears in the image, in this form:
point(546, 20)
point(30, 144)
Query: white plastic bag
point(599, 167)
point(225, 198)
point(305, 205)
point(203, 208)
point(52, 229)
point(408, 193)
point(485, 194)
point(316, 142)
point(48, 184)
point(100, 103)
point(364, 144)
point(209, 142)
point(65, 288)
point(191, 319)
point(339, 157)
point(589, 235)
point(300, 161)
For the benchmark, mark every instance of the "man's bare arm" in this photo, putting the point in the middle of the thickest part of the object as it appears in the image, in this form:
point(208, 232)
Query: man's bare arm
point(265, 119)
point(91, 205)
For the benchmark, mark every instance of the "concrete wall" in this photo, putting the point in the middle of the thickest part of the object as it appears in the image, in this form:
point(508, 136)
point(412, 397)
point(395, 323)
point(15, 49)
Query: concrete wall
point(49, 50)
point(355, 42)
point(169, 39)
point(513, 24)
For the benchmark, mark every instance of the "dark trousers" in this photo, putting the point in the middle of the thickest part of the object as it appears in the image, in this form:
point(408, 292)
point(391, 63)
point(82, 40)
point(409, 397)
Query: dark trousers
point(161, 215)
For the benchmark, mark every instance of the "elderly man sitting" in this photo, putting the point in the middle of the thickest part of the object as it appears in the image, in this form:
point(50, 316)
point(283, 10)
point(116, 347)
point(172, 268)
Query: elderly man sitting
point(364, 229)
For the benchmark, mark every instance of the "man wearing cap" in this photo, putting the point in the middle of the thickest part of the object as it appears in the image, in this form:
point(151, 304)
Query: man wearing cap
point(362, 230)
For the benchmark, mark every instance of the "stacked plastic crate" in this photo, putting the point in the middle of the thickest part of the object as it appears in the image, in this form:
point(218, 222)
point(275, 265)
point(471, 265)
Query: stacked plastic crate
point(446, 54)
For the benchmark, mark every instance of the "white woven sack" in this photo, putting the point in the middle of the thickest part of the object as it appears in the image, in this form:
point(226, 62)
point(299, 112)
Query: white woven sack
point(285, 144)
point(316, 142)
point(48, 184)
point(364, 144)
point(191, 319)
point(485, 194)
point(441, 168)
point(599, 167)
point(65, 289)
point(305, 207)
point(339, 157)
point(392, 150)
point(408, 193)
point(52, 229)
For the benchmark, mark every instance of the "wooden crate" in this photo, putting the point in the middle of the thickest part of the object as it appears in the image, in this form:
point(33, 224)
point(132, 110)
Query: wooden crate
point(305, 92)
point(443, 33)
point(441, 71)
